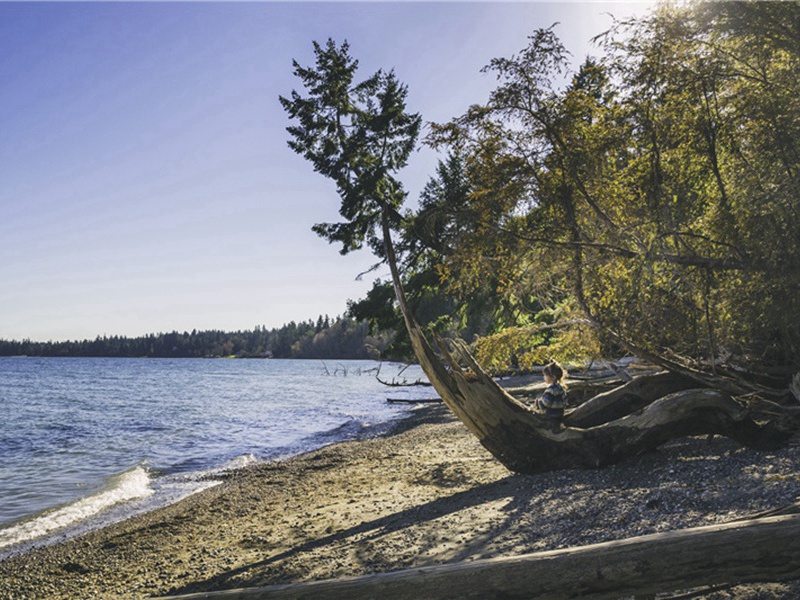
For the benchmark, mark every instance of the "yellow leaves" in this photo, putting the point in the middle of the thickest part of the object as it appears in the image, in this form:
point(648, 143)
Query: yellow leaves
point(655, 196)
point(501, 351)
point(526, 347)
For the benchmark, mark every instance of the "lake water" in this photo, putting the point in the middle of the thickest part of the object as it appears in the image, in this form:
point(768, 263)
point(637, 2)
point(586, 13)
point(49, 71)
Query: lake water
point(89, 441)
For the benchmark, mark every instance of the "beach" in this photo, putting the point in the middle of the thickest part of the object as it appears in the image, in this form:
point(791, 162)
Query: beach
point(426, 493)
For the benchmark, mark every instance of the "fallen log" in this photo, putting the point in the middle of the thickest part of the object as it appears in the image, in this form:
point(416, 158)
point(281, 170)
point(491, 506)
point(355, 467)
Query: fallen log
point(414, 401)
point(755, 550)
point(628, 398)
point(393, 383)
point(522, 441)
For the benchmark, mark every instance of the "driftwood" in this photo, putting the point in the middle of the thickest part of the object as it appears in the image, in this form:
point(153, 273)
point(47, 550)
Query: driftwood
point(628, 398)
point(393, 383)
point(754, 550)
point(404, 383)
point(522, 440)
point(580, 389)
point(414, 401)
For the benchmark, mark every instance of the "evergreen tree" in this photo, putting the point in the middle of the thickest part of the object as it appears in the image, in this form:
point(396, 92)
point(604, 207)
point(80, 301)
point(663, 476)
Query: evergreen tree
point(357, 134)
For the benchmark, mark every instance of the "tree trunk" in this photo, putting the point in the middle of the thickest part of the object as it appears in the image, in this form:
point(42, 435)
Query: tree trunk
point(764, 549)
point(627, 398)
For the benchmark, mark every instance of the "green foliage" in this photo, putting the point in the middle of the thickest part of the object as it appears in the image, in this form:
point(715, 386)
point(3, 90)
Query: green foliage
point(653, 193)
point(429, 237)
point(356, 134)
point(544, 340)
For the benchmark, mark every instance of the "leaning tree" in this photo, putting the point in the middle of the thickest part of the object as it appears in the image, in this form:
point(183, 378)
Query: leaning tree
point(359, 134)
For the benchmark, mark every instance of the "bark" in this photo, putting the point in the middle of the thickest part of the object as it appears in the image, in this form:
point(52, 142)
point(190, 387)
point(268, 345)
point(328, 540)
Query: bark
point(754, 550)
point(627, 398)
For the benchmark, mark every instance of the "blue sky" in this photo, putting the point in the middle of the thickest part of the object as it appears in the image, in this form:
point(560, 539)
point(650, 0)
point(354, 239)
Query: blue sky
point(145, 180)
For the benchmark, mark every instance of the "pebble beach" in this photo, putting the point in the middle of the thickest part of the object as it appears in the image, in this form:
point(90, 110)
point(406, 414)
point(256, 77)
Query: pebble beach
point(426, 493)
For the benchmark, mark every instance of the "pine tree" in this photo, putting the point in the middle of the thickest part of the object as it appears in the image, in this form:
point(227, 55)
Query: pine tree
point(357, 134)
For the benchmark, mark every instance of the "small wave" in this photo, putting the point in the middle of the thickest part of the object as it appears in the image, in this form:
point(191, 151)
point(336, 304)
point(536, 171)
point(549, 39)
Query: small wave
point(131, 485)
point(352, 429)
point(233, 464)
point(238, 463)
point(347, 430)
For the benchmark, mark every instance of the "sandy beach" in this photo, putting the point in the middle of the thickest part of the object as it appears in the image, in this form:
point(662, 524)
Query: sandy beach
point(425, 494)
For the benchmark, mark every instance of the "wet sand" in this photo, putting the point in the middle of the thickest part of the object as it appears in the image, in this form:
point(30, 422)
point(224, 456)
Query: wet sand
point(425, 494)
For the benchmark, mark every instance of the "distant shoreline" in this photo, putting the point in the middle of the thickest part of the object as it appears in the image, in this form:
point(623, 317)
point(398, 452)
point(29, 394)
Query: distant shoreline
point(232, 357)
point(341, 338)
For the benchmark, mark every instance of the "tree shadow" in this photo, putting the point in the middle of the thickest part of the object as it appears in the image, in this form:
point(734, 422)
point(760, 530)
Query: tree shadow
point(536, 512)
point(365, 531)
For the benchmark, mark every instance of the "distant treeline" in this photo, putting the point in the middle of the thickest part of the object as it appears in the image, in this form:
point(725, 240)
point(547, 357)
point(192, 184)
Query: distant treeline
point(340, 338)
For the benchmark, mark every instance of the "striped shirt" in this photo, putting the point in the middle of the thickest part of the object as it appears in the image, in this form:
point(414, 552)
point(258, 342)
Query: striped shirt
point(555, 397)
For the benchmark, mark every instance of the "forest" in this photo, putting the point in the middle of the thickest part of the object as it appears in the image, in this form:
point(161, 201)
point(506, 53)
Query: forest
point(339, 338)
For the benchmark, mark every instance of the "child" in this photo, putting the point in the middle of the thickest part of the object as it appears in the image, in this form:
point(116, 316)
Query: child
point(555, 396)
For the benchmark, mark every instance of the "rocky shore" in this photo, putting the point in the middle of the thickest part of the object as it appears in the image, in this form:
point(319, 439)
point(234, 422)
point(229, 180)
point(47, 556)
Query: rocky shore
point(425, 494)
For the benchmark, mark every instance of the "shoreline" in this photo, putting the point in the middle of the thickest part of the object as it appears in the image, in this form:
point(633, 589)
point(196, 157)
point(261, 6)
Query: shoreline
point(168, 425)
point(164, 489)
point(423, 493)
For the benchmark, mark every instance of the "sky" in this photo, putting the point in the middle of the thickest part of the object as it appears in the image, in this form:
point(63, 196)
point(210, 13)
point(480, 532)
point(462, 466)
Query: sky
point(145, 181)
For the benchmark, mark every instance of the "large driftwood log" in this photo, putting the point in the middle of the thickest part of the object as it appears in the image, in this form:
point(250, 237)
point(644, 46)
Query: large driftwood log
point(765, 549)
point(627, 398)
point(522, 441)
point(414, 400)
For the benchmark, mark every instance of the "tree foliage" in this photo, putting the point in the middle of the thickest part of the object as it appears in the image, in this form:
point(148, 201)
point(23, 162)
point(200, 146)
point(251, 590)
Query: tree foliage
point(651, 193)
point(357, 134)
point(619, 196)
point(657, 188)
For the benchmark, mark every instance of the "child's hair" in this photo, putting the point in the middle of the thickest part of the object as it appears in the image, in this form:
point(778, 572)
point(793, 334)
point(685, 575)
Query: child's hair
point(554, 370)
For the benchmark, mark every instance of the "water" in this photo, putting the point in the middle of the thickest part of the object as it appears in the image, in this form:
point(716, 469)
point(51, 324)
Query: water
point(88, 441)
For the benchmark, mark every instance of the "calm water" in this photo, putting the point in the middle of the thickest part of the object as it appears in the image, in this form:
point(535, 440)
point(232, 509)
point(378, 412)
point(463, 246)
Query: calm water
point(85, 441)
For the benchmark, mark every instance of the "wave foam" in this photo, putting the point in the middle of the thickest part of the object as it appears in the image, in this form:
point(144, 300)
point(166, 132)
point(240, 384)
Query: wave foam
point(131, 485)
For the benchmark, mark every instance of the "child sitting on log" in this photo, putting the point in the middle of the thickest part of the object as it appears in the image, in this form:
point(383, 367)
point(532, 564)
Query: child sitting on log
point(554, 399)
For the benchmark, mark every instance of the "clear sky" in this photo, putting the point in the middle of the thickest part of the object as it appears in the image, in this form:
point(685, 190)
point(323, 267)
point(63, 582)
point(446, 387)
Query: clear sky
point(145, 180)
